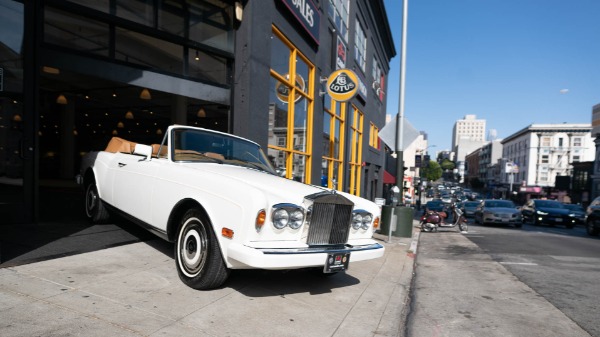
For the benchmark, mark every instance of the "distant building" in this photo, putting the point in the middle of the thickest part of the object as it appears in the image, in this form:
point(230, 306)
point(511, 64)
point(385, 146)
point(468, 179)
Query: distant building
point(489, 155)
point(541, 152)
point(470, 128)
point(596, 136)
point(468, 135)
point(472, 167)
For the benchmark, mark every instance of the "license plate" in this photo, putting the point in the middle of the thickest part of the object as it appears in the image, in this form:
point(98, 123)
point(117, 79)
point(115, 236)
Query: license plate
point(505, 220)
point(336, 262)
point(558, 219)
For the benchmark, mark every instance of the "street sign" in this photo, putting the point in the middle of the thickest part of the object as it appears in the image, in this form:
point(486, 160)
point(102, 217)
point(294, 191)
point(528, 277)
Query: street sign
point(342, 85)
point(388, 134)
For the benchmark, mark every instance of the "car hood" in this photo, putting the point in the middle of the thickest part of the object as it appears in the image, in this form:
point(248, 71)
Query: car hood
point(278, 189)
point(502, 210)
point(560, 211)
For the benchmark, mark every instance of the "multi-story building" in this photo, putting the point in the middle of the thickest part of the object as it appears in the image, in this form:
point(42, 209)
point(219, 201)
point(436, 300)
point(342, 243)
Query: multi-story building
point(472, 164)
point(468, 128)
point(76, 73)
point(488, 156)
point(595, 177)
point(541, 152)
point(468, 134)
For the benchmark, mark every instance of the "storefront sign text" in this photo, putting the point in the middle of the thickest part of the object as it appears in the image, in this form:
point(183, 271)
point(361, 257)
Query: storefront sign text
point(342, 85)
point(307, 14)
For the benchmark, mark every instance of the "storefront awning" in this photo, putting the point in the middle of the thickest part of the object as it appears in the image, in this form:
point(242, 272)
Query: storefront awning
point(388, 178)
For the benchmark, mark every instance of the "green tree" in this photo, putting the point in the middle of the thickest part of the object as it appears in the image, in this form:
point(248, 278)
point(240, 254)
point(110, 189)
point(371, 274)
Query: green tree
point(431, 172)
point(448, 165)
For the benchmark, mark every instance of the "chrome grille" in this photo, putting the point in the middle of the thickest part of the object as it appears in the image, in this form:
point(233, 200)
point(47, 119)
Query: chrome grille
point(330, 220)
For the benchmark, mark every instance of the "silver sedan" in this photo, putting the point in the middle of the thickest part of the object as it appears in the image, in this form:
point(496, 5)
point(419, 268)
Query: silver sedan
point(500, 212)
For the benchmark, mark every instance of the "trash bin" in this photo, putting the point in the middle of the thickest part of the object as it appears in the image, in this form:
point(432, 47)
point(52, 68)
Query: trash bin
point(400, 218)
point(404, 222)
point(386, 220)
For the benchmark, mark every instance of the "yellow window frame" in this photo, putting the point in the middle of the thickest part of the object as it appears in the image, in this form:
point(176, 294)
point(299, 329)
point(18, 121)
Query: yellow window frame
point(356, 140)
point(330, 157)
point(309, 97)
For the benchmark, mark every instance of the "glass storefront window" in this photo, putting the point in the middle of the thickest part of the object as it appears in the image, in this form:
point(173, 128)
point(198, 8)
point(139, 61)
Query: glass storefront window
point(99, 5)
point(291, 107)
point(71, 31)
point(208, 68)
point(147, 51)
point(333, 138)
point(355, 138)
point(140, 11)
point(211, 23)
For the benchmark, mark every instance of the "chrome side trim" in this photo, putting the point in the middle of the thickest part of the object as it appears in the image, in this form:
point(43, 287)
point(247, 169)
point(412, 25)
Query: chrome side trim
point(316, 250)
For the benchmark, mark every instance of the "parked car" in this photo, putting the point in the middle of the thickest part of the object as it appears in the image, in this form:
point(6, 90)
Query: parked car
point(435, 205)
point(551, 212)
point(469, 208)
point(579, 212)
point(592, 221)
point(219, 200)
point(498, 211)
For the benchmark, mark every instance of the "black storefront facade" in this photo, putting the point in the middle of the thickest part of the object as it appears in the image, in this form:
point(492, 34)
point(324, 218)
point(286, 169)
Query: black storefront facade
point(76, 73)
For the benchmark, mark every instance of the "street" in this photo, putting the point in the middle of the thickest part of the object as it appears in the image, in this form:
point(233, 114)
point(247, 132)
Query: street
point(503, 281)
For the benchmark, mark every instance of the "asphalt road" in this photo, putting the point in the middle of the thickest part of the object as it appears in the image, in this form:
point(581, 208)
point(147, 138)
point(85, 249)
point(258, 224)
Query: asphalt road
point(562, 265)
point(505, 282)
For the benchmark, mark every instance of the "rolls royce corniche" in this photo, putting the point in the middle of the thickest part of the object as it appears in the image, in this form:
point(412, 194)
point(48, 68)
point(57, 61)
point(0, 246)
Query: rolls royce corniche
point(217, 197)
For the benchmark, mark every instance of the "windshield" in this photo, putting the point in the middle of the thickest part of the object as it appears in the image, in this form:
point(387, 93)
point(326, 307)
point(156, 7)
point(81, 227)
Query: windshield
point(575, 207)
point(548, 203)
point(499, 203)
point(192, 145)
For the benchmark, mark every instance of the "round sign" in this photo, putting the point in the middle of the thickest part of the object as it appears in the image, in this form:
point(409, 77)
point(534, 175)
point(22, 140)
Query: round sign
point(283, 91)
point(342, 85)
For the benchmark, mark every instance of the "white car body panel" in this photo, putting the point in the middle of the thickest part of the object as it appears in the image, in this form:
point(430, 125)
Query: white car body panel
point(149, 189)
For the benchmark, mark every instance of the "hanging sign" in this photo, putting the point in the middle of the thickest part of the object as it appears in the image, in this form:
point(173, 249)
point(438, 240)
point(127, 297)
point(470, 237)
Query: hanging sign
point(342, 85)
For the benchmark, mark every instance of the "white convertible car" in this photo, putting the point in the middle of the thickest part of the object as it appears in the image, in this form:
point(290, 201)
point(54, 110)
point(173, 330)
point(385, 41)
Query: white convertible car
point(217, 197)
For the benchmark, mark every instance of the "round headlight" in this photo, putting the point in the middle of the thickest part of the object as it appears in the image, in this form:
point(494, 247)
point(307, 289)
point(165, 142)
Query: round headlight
point(296, 219)
point(357, 219)
point(366, 221)
point(281, 218)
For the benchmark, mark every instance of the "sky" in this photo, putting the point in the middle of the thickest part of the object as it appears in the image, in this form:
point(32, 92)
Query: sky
point(510, 62)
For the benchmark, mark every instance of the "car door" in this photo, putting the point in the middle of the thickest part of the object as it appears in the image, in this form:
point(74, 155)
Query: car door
point(133, 184)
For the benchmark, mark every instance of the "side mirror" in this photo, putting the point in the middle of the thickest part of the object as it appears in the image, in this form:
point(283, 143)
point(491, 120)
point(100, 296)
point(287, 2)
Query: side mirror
point(143, 150)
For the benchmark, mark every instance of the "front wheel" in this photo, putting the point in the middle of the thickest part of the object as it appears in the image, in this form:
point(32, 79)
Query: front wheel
point(591, 228)
point(462, 225)
point(200, 264)
point(425, 227)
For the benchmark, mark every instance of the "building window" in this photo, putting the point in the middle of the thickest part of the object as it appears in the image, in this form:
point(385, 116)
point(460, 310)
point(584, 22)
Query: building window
point(291, 109)
point(545, 159)
point(576, 141)
point(378, 79)
point(576, 159)
point(339, 12)
point(546, 141)
point(355, 139)
point(333, 143)
point(360, 46)
point(374, 136)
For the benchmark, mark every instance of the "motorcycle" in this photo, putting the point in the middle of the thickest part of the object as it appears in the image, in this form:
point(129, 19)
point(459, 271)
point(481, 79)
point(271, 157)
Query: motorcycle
point(432, 220)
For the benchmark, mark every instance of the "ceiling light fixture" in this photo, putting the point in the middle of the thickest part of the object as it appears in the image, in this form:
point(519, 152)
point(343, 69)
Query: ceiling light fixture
point(201, 113)
point(145, 94)
point(61, 99)
point(129, 115)
point(197, 56)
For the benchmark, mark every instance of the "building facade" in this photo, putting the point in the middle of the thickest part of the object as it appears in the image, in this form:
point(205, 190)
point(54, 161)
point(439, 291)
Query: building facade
point(541, 152)
point(76, 73)
point(489, 155)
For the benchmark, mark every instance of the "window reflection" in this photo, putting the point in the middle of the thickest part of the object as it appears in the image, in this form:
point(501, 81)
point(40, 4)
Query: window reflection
point(76, 32)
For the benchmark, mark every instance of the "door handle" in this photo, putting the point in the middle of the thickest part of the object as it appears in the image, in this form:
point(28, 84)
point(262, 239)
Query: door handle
point(122, 164)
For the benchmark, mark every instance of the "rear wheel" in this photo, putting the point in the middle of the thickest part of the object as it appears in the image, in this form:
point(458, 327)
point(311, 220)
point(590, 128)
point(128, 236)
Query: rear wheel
point(462, 225)
point(94, 208)
point(200, 264)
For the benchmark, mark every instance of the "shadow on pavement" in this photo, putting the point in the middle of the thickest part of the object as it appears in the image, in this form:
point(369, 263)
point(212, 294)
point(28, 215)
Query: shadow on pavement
point(62, 231)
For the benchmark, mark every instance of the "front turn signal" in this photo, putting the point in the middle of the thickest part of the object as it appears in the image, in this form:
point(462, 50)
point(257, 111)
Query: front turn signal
point(261, 217)
point(376, 223)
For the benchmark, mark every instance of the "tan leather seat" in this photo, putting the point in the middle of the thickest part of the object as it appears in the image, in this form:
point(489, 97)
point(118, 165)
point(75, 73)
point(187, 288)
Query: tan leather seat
point(117, 144)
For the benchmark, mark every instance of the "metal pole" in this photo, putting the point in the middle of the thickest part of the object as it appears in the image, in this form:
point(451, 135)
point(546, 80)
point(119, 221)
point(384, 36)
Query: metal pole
point(400, 116)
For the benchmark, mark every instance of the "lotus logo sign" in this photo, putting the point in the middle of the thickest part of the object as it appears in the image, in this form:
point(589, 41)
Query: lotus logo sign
point(342, 85)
